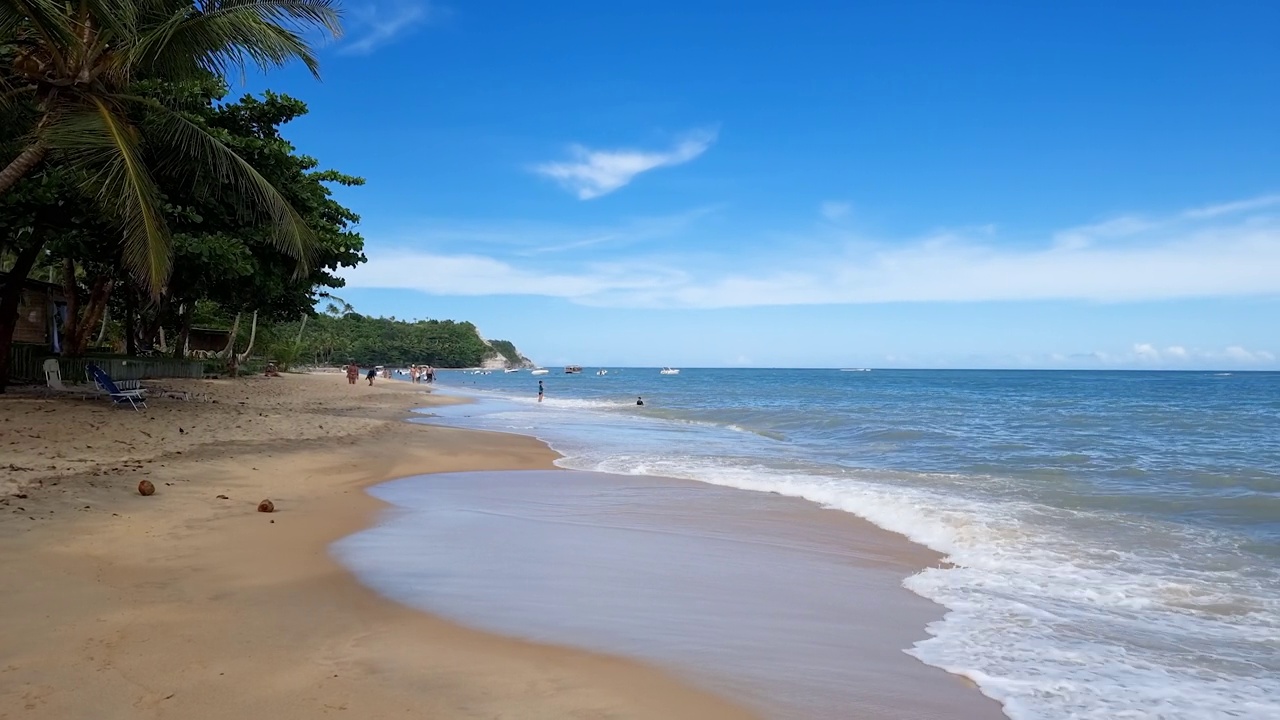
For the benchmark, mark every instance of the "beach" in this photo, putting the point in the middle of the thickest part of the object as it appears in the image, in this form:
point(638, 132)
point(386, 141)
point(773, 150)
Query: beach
point(190, 603)
point(186, 605)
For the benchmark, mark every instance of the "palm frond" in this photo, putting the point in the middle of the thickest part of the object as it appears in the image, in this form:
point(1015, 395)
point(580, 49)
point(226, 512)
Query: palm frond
point(236, 180)
point(99, 143)
point(226, 35)
point(47, 21)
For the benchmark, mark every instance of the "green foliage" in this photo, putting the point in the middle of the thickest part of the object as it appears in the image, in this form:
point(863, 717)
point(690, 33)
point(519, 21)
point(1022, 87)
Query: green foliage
point(507, 350)
point(387, 341)
point(71, 98)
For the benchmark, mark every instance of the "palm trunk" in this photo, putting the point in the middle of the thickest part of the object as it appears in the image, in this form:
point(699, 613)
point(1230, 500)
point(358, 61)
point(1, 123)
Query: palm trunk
point(93, 313)
point(102, 332)
point(253, 334)
point(185, 313)
point(9, 300)
point(72, 291)
point(21, 165)
point(130, 323)
point(229, 350)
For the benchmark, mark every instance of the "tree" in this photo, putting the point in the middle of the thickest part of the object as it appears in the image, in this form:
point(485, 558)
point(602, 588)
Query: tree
point(73, 67)
point(73, 100)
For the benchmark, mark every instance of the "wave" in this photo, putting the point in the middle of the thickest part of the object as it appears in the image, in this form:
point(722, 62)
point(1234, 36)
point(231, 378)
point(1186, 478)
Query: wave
point(1038, 619)
point(1058, 604)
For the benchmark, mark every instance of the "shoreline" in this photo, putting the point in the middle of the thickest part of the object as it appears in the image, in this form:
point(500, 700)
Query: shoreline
point(186, 605)
point(379, 649)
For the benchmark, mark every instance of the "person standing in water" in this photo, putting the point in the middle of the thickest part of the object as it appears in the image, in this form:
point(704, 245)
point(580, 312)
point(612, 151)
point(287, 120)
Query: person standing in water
point(639, 400)
point(540, 391)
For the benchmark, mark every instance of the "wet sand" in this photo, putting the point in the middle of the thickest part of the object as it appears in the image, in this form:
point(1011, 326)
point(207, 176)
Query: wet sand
point(190, 606)
point(794, 610)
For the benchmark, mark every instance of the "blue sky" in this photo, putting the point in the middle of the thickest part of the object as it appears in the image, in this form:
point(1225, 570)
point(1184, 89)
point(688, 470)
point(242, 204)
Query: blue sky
point(915, 184)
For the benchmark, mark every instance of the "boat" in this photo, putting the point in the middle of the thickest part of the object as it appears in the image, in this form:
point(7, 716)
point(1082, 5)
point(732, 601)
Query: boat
point(602, 372)
point(539, 371)
point(669, 371)
point(855, 369)
point(572, 369)
point(511, 370)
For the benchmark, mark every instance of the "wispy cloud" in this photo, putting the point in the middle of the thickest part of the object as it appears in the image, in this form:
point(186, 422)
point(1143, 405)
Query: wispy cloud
point(1174, 356)
point(593, 173)
point(376, 23)
point(472, 275)
point(834, 210)
point(1228, 253)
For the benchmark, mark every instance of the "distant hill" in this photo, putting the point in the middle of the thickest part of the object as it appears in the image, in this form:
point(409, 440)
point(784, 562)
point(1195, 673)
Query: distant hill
point(507, 355)
point(330, 339)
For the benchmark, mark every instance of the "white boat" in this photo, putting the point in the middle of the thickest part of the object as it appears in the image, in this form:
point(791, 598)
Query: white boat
point(669, 371)
point(540, 371)
point(511, 370)
point(602, 372)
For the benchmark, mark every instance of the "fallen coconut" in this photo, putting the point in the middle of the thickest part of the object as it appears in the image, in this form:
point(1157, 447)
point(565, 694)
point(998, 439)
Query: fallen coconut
point(146, 488)
point(266, 506)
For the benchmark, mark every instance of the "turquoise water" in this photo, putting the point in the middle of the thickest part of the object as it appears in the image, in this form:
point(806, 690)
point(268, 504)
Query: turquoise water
point(1116, 535)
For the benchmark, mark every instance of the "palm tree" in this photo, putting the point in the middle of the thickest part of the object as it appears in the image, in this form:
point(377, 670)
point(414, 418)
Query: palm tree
point(75, 66)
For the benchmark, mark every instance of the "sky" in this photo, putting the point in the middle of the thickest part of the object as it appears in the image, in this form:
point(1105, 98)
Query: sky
point(816, 184)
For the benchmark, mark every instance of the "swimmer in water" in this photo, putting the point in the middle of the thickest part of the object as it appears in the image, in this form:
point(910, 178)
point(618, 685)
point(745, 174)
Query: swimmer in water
point(639, 400)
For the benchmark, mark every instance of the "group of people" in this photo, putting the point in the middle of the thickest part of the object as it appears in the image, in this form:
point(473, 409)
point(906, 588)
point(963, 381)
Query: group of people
point(543, 391)
point(422, 373)
point(353, 373)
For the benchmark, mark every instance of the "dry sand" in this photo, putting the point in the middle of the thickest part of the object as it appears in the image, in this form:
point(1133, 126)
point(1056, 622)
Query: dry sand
point(185, 605)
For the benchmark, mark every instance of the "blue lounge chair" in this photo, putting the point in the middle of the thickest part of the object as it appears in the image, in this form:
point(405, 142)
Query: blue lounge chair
point(135, 398)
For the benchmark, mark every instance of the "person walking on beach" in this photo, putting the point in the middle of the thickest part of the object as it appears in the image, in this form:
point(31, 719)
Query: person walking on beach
point(372, 374)
point(431, 375)
point(353, 372)
point(540, 391)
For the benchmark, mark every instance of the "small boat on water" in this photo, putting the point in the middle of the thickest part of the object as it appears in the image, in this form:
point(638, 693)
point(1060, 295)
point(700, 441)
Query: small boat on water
point(511, 370)
point(539, 371)
point(602, 371)
point(572, 369)
point(669, 371)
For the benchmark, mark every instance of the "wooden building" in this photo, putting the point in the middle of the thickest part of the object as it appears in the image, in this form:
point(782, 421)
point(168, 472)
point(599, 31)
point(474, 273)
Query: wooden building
point(36, 310)
point(207, 340)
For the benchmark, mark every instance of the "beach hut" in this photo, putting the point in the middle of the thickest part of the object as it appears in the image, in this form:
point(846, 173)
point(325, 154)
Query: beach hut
point(207, 340)
point(37, 311)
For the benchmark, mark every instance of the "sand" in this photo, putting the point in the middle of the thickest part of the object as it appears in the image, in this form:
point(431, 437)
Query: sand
point(791, 609)
point(191, 604)
point(185, 605)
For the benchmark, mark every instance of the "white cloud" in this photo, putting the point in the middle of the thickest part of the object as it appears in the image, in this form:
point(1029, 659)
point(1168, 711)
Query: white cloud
point(1175, 356)
point(1221, 254)
point(1146, 351)
point(375, 23)
point(834, 210)
point(593, 173)
point(476, 275)
point(1238, 354)
point(1212, 211)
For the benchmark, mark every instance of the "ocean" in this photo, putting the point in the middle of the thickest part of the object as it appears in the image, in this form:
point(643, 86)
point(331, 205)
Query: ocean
point(1113, 537)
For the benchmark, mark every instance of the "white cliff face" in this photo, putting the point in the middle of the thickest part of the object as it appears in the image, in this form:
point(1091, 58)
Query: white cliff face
point(494, 362)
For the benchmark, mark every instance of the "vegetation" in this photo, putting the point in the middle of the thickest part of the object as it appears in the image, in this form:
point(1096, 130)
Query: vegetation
point(336, 338)
point(127, 177)
point(120, 162)
point(508, 351)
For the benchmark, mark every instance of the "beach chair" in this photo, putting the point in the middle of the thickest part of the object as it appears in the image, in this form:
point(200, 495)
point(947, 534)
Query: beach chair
point(54, 379)
point(135, 398)
point(124, 385)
